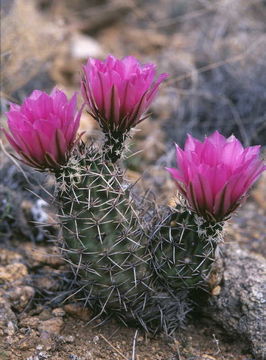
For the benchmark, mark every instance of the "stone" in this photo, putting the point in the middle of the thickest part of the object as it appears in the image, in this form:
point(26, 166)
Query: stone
point(45, 281)
point(83, 46)
point(45, 314)
point(42, 255)
point(20, 296)
point(58, 312)
point(78, 311)
point(52, 326)
point(12, 272)
point(28, 342)
point(69, 339)
point(6, 314)
point(31, 321)
point(8, 256)
point(240, 305)
point(11, 328)
point(216, 291)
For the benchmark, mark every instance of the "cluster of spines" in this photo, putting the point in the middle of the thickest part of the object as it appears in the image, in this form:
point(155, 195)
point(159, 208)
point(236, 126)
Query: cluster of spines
point(184, 247)
point(125, 264)
point(105, 239)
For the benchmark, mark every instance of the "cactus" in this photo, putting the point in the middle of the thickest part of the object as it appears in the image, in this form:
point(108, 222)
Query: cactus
point(129, 259)
point(102, 236)
point(183, 248)
point(105, 241)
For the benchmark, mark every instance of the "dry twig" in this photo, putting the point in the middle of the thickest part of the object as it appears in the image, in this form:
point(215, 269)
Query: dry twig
point(114, 348)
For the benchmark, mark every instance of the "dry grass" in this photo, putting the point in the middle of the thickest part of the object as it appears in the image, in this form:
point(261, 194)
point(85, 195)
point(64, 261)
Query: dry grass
point(220, 77)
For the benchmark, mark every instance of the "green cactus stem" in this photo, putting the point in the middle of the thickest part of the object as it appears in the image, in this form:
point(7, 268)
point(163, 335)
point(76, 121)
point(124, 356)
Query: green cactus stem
point(102, 234)
point(184, 247)
point(127, 261)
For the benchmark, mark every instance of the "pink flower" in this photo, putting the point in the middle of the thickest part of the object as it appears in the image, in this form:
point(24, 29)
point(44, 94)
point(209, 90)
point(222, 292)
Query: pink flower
point(43, 128)
point(214, 175)
point(118, 92)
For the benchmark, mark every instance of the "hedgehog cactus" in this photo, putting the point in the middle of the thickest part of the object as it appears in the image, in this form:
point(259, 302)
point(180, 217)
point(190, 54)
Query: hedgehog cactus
point(213, 177)
point(130, 260)
point(102, 235)
point(183, 248)
point(105, 239)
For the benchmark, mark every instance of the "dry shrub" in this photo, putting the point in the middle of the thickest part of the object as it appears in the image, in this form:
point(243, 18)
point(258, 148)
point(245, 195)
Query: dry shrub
point(222, 75)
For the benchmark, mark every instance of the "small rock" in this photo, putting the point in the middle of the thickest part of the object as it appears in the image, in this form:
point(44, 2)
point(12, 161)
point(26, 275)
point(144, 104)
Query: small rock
point(39, 212)
point(83, 46)
point(45, 281)
point(6, 314)
point(216, 291)
point(95, 339)
point(28, 342)
point(73, 357)
point(37, 310)
point(48, 340)
point(7, 257)
point(46, 314)
point(11, 329)
point(52, 326)
point(43, 355)
point(12, 272)
point(20, 297)
point(41, 255)
point(67, 339)
point(30, 322)
point(77, 310)
point(59, 312)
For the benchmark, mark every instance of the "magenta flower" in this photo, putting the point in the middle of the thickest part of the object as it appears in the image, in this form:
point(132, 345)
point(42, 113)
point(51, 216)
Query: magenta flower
point(43, 128)
point(118, 92)
point(214, 175)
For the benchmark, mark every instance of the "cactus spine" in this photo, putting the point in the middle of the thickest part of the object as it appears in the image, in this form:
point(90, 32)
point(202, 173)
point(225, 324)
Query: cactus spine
point(183, 248)
point(103, 239)
point(125, 266)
